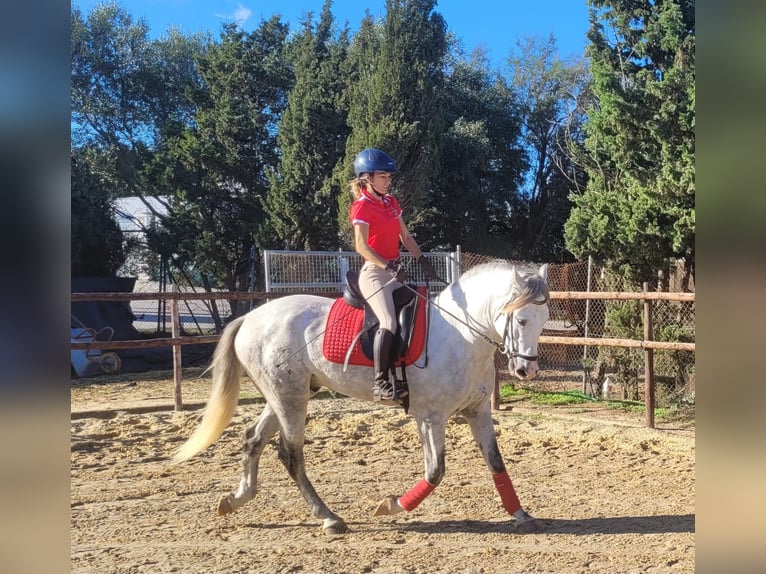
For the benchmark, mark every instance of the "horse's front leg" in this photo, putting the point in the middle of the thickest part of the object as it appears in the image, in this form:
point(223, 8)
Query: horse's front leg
point(480, 421)
point(431, 432)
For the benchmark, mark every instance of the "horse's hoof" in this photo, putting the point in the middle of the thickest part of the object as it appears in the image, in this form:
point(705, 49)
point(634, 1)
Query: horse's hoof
point(334, 526)
point(224, 507)
point(387, 506)
point(529, 526)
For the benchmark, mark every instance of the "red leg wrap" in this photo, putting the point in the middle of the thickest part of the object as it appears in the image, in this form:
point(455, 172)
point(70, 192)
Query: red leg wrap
point(507, 492)
point(417, 495)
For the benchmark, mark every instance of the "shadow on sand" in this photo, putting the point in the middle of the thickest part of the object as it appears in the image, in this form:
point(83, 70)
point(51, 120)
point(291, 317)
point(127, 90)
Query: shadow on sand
point(661, 524)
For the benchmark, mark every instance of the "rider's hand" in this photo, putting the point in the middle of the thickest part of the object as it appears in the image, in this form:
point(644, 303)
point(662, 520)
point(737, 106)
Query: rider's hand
point(395, 267)
point(428, 269)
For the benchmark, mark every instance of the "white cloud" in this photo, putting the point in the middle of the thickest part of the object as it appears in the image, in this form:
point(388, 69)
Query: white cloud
point(240, 15)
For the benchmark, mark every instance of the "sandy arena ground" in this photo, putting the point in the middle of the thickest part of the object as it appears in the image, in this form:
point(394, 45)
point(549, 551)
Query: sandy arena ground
point(614, 496)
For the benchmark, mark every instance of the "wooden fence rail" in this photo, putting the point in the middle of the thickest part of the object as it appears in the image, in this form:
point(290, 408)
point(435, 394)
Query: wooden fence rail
point(176, 341)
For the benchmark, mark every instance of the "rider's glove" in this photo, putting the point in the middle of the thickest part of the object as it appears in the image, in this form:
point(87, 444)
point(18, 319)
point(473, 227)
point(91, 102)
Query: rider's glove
point(428, 269)
point(395, 267)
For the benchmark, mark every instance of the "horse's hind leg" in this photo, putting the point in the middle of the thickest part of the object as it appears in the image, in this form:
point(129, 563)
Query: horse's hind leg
point(255, 439)
point(480, 421)
point(291, 455)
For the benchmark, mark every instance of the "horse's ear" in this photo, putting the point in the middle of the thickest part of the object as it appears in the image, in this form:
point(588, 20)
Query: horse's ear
point(518, 279)
point(543, 272)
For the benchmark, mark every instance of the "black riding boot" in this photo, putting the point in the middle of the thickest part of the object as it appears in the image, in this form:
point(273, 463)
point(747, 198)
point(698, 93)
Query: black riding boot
point(382, 353)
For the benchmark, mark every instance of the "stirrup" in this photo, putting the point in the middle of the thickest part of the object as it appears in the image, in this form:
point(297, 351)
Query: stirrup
point(386, 391)
point(383, 391)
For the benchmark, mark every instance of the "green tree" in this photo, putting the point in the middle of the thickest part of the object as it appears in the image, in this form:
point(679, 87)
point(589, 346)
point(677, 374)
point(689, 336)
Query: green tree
point(97, 248)
point(126, 89)
point(638, 207)
point(108, 92)
point(217, 169)
point(127, 93)
point(311, 138)
point(548, 90)
point(397, 76)
point(481, 162)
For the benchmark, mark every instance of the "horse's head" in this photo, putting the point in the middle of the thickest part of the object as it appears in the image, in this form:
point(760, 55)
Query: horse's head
point(521, 321)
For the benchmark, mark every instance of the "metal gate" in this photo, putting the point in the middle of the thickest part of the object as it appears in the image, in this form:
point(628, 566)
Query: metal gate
point(325, 271)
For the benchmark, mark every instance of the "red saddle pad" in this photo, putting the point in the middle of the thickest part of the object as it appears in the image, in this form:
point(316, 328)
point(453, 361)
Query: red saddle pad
point(344, 322)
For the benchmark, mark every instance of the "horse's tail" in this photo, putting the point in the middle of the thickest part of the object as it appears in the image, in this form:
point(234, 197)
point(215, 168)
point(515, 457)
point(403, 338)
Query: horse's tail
point(227, 372)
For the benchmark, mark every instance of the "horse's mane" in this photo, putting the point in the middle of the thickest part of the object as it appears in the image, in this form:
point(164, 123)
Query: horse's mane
point(533, 289)
point(485, 267)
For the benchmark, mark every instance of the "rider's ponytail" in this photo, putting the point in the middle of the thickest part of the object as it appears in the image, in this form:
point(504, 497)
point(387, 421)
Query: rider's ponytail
point(357, 185)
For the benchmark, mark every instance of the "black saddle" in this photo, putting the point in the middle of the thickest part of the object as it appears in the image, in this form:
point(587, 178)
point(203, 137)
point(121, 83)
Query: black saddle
point(405, 302)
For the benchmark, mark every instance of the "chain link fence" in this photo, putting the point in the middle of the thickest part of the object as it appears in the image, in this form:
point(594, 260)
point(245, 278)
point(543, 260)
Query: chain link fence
point(609, 372)
point(198, 317)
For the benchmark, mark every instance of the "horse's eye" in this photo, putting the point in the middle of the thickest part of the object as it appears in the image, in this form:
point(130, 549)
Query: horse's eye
point(522, 322)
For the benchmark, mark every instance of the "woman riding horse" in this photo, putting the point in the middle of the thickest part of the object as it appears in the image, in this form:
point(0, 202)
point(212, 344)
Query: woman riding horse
point(378, 227)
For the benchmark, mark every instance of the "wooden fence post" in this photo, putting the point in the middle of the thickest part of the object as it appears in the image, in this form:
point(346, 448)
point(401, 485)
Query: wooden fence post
point(175, 322)
point(648, 362)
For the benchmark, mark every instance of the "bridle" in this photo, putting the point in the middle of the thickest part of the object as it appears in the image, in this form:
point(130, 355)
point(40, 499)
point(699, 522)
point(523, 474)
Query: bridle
point(514, 353)
point(502, 347)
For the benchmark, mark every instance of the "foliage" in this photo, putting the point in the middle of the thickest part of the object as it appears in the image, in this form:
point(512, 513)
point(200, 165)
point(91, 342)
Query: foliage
point(97, 249)
point(638, 208)
point(311, 138)
point(545, 397)
point(108, 95)
point(666, 413)
point(251, 136)
point(561, 398)
point(126, 89)
point(660, 413)
point(396, 72)
point(676, 385)
point(624, 320)
point(673, 369)
point(549, 91)
point(127, 92)
point(480, 162)
point(216, 169)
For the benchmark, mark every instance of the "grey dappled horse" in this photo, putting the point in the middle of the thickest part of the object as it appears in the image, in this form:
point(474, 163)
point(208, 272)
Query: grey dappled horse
point(279, 344)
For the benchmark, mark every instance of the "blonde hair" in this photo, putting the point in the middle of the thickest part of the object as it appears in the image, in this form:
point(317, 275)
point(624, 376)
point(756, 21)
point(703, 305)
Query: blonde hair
point(357, 185)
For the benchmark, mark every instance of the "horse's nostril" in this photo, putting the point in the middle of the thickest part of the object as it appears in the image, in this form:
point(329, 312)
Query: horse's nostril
point(521, 373)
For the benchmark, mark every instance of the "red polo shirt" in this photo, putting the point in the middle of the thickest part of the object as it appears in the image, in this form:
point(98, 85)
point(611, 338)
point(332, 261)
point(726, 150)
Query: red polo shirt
point(383, 219)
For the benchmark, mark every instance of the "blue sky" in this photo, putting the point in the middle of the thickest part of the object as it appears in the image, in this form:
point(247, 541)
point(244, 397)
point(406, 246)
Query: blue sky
point(495, 25)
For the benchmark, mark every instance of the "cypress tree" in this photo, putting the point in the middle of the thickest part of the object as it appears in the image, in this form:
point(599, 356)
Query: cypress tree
point(394, 100)
point(638, 208)
point(312, 137)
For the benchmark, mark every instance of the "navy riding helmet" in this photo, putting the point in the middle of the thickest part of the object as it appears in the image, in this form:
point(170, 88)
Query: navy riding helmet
point(371, 160)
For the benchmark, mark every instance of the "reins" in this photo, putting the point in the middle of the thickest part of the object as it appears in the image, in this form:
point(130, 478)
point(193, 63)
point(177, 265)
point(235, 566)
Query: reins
point(500, 346)
point(428, 300)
